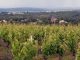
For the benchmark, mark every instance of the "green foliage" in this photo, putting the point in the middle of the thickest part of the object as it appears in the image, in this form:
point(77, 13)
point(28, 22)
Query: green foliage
point(24, 50)
point(72, 41)
point(49, 48)
point(53, 39)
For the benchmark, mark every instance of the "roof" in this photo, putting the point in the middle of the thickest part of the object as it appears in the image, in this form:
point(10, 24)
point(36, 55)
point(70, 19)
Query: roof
point(53, 19)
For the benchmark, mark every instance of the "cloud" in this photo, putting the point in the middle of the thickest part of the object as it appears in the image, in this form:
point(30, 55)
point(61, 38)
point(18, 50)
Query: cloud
point(63, 3)
point(40, 3)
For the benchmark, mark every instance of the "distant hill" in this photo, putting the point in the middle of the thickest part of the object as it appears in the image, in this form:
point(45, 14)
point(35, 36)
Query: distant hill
point(34, 9)
point(21, 9)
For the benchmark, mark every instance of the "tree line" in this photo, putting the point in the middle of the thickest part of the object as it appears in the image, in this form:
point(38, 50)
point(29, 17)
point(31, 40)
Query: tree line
point(41, 17)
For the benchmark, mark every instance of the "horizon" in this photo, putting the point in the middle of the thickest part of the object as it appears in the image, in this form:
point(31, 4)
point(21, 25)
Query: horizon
point(40, 7)
point(32, 9)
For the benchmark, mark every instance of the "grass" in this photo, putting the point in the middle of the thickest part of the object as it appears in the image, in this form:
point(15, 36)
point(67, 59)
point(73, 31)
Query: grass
point(3, 51)
point(67, 56)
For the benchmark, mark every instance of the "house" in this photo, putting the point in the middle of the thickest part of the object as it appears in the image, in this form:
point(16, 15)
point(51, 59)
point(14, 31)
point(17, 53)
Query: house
point(4, 21)
point(53, 19)
point(22, 21)
point(63, 22)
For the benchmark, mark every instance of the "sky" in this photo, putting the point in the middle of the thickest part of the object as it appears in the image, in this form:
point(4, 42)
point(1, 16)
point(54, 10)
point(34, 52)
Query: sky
point(39, 3)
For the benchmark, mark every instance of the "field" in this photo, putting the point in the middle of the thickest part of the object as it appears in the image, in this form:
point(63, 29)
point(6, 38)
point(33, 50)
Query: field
point(39, 42)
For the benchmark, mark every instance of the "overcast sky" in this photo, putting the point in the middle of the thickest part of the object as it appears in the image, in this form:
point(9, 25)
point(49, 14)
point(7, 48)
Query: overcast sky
point(39, 3)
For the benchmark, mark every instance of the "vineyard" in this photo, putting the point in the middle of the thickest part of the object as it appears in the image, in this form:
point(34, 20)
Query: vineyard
point(41, 42)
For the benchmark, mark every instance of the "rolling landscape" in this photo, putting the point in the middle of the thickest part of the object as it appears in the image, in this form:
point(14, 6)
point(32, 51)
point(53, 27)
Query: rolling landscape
point(40, 35)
